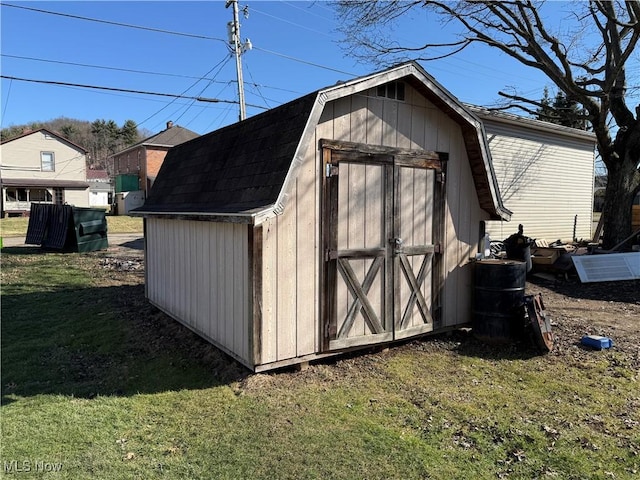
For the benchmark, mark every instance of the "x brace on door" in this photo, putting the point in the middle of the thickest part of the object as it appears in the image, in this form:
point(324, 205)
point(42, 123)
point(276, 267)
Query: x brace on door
point(377, 296)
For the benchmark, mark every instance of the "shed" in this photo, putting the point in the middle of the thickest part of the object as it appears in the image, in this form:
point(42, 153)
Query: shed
point(340, 220)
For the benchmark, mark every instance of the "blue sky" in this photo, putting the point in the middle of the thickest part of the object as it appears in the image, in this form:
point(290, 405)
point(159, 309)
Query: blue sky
point(296, 50)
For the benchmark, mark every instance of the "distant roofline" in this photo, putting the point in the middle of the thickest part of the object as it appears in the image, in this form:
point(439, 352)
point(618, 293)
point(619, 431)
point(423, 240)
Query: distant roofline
point(50, 132)
point(146, 141)
point(513, 119)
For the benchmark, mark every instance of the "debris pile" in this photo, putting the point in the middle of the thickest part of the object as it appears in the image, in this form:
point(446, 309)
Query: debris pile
point(121, 265)
point(586, 260)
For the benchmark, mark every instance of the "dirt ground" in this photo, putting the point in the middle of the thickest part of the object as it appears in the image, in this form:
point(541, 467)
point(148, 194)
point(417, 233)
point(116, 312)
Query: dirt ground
point(610, 309)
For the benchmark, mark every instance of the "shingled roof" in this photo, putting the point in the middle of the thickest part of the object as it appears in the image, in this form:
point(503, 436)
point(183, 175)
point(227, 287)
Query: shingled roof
point(172, 135)
point(238, 169)
point(242, 172)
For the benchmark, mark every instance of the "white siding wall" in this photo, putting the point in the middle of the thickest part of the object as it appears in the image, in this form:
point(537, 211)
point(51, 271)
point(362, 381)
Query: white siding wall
point(21, 159)
point(198, 273)
point(545, 179)
point(98, 199)
point(77, 198)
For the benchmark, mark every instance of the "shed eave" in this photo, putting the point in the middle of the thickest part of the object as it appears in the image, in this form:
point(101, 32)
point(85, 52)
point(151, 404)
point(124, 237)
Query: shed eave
point(253, 218)
point(298, 157)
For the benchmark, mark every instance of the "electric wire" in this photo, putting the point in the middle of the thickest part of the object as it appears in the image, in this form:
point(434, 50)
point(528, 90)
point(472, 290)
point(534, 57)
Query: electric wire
point(114, 89)
point(129, 70)
point(220, 66)
point(118, 24)
point(157, 30)
point(86, 65)
point(303, 61)
point(6, 102)
point(253, 9)
point(257, 89)
point(307, 11)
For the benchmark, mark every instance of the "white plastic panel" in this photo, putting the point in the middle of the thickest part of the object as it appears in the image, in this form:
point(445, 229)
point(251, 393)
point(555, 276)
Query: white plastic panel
point(607, 268)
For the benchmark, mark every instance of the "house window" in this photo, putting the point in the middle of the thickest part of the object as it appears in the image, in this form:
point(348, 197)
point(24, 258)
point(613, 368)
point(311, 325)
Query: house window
point(40, 195)
point(16, 194)
point(393, 90)
point(47, 162)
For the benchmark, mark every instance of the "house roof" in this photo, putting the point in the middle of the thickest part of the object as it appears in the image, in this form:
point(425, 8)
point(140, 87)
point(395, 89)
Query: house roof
point(531, 123)
point(43, 183)
point(242, 172)
point(169, 137)
point(93, 175)
point(49, 132)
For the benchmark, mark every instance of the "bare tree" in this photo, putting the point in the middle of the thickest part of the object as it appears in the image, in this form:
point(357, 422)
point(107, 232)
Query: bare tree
point(591, 73)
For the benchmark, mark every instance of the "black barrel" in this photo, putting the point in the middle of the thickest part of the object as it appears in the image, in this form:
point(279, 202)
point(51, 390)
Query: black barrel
point(499, 296)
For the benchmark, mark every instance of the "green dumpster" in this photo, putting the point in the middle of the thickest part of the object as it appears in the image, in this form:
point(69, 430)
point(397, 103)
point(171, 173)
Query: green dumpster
point(67, 228)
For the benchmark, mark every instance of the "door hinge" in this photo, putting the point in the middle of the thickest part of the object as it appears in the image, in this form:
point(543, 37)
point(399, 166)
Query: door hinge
point(440, 177)
point(331, 170)
point(437, 248)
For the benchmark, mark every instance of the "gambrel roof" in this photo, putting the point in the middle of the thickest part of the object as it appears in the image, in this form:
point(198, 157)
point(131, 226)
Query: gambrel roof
point(242, 172)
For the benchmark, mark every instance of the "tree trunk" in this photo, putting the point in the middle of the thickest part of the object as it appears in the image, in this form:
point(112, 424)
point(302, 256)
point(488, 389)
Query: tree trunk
point(619, 194)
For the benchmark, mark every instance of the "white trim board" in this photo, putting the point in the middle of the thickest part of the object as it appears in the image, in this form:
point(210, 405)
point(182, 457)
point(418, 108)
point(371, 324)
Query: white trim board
point(607, 268)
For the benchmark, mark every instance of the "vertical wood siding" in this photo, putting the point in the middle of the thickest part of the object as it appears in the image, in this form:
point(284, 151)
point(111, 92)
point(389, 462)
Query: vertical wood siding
point(292, 257)
point(198, 273)
point(290, 277)
point(545, 180)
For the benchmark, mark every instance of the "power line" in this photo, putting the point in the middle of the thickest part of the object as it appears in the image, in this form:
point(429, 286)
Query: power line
point(86, 65)
point(158, 30)
point(303, 61)
point(4, 111)
point(220, 66)
point(128, 70)
point(114, 89)
point(184, 91)
point(257, 89)
point(118, 24)
point(253, 9)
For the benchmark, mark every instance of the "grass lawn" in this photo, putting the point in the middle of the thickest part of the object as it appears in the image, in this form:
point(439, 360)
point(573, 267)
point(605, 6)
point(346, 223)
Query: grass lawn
point(98, 384)
point(17, 227)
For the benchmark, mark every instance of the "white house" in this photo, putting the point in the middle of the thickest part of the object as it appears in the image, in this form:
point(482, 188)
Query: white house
point(546, 176)
point(42, 166)
point(100, 188)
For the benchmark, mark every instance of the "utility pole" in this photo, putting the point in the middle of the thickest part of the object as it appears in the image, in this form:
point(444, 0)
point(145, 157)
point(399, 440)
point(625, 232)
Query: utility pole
point(238, 49)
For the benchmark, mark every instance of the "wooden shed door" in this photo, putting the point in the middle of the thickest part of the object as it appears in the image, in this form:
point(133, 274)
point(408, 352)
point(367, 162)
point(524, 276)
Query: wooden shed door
point(383, 221)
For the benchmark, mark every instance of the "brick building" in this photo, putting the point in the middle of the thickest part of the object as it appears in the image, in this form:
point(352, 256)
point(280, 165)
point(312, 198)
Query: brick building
point(145, 158)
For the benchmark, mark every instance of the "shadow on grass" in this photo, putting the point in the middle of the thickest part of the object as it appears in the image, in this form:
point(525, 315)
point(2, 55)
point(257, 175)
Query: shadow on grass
point(627, 291)
point(26, 250)
point(137, 244)
point(465, 343)
point(89, 342)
